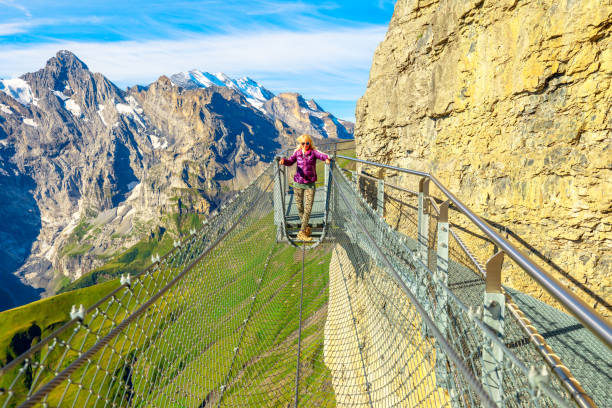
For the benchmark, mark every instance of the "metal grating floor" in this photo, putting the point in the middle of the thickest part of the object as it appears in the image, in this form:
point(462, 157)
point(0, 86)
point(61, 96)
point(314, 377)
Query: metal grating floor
point(587, 358)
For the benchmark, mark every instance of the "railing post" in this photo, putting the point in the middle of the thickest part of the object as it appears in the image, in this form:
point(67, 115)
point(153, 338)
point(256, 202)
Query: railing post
point(355, 178)
point(493, 316)
point(423, 221)
point(355, 203)
point(278, 206)
point(441, 274)
point(423, 247)
point(328, 169)
point(380, 198)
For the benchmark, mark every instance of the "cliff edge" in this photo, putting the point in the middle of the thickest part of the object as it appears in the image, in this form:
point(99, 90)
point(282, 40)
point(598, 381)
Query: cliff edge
point(508, 103)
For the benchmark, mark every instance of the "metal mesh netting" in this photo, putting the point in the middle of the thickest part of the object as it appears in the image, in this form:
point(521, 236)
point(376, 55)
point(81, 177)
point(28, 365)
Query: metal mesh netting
point(231, 317)
point(376, 252)
point(528, 320)
point(217, 322)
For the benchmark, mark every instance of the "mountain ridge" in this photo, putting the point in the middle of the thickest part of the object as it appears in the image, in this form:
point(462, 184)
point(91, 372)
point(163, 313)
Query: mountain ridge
point(308, 117)
point(88, 169)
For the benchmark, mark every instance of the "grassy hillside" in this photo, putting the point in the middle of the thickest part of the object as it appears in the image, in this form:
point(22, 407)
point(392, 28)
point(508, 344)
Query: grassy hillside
point(22, 327)
point(218, 296)
point(236, 263)
point(138, 257)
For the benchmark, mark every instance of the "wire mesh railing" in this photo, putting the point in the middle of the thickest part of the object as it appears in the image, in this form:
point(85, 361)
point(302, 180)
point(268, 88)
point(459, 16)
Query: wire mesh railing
point(232, 317)
point(377, 254)
point(557, 340)
point(125, 350)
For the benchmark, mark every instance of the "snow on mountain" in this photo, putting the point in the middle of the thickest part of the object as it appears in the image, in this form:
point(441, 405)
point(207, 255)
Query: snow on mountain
point(254, 93)
point(18, 89)
point(73, 107)
point(60, 95)
point(4, 108)
point(30, 122)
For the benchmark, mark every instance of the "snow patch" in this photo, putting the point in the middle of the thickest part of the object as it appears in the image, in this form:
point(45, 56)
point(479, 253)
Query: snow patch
point(134, 104)
point(257, 104)
point(131, 185)
point(4, 108)
point(60, 95)
point(100, 109)
point(126, 109)
point(73, 107)
point(30, 122)
point(254, 93)
point(326, 127)
point(158, 142)
point(18, 89)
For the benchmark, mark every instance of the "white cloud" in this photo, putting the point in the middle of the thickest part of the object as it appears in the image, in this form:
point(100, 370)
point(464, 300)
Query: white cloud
point(13, 28)
point(331, 64)
point(24, 26)
point(12, 3)
point(341, 55)
point(267, 7)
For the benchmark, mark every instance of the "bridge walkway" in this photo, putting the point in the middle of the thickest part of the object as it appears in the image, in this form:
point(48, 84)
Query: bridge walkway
point(370, 317)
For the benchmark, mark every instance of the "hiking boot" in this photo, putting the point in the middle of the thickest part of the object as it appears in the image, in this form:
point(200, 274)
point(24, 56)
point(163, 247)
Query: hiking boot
point(301, 236)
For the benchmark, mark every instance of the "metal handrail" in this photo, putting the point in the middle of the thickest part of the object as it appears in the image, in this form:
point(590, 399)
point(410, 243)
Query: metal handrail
point(578, 308)
point(453, 356)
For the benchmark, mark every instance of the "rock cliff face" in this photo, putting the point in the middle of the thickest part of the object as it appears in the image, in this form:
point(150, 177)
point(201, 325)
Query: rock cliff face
point(59, 149)
point(288, 108)
point(87, 169)
point(508, 104)
point(307, 117)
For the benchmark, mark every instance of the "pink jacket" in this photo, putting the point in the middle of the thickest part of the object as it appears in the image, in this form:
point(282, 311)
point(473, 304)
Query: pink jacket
point(306, 165)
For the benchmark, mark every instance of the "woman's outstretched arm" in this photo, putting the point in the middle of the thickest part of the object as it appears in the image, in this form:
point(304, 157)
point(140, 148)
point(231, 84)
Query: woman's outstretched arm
point(290, 160)
point(321, 156)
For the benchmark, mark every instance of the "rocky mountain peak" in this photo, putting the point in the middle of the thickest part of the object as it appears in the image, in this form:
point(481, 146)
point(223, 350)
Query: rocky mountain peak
point(67, 60)
point(254, 93)
point(162, 83)
point(59, 72)
point(289, 107)
point(307, 116)
point(89, 169)
point(312, 104)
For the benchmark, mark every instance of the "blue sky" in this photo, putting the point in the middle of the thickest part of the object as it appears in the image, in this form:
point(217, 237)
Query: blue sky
point(322, 49)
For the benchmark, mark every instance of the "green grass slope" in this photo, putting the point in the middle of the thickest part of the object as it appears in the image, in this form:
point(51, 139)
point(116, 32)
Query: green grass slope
point(138, 257)
point(200, 323)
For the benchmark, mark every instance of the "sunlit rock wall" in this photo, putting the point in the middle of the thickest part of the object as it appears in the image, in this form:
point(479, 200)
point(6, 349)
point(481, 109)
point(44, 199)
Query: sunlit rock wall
point(508, 103)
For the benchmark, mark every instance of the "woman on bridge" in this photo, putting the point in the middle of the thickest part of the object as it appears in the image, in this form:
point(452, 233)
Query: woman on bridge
point(304, 180)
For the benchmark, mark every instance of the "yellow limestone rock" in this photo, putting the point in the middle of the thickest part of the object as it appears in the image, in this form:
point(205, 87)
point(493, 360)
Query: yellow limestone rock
point(508, 103)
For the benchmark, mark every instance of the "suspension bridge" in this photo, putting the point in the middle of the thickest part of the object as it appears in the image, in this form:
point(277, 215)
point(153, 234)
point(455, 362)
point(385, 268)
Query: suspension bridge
point(241, 314)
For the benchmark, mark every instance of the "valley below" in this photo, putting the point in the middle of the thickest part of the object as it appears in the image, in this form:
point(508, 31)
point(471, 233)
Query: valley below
point(90, 172)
